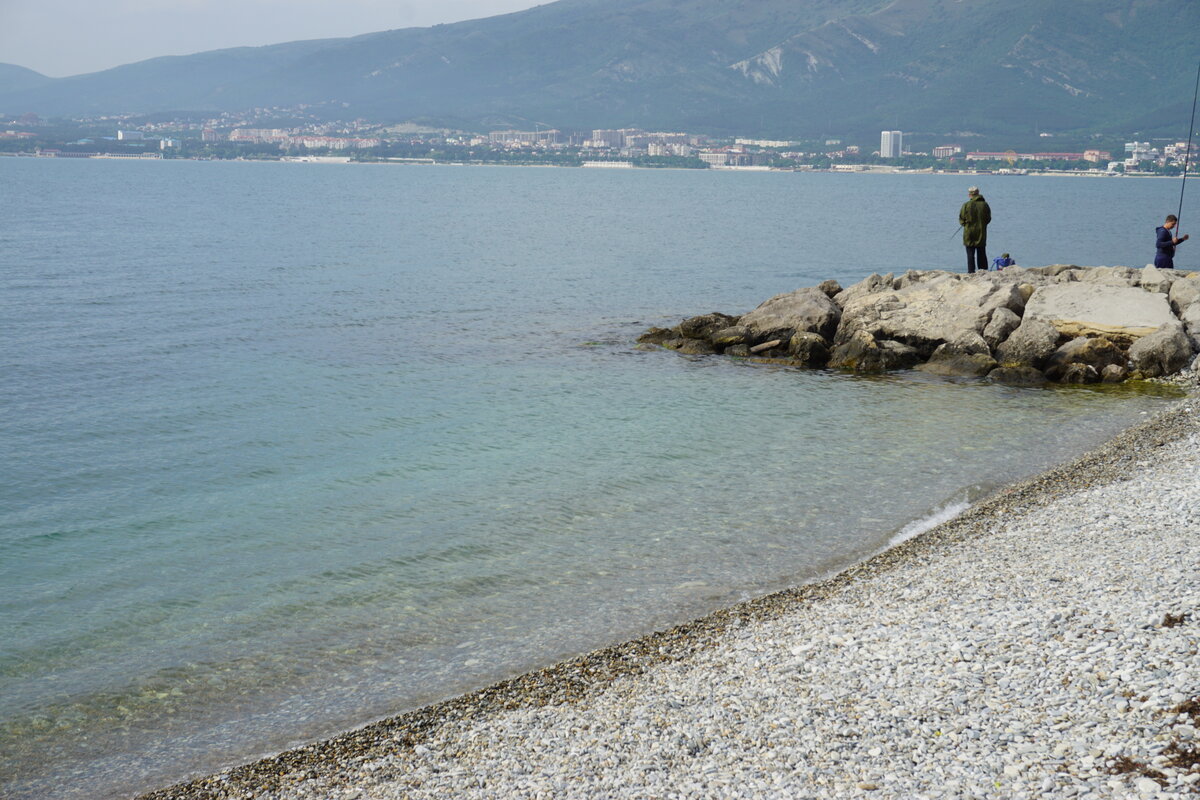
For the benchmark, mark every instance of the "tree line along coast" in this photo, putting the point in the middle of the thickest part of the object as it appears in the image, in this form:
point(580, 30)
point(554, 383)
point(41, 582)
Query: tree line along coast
point(275, 137)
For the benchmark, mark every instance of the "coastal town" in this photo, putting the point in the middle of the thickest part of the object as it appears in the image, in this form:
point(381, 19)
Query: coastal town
point(273, 134)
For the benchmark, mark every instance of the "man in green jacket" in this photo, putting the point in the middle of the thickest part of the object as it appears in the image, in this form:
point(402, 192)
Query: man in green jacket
point(974, 217)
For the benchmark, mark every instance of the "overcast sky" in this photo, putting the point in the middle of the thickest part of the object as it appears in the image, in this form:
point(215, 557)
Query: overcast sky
point(70, 37)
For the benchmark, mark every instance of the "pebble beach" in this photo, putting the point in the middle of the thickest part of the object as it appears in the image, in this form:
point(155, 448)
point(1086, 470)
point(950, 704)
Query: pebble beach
point(1044, 643)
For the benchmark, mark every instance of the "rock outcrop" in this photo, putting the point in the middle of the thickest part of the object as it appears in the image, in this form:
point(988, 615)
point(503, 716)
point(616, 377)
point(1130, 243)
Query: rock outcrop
point(1121, 313)
point(928, 309)
point(1021, 327)
point(802, 311)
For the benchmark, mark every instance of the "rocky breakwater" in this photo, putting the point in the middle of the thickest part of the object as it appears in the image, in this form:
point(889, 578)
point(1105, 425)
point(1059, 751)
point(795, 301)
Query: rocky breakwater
point(1061, 323)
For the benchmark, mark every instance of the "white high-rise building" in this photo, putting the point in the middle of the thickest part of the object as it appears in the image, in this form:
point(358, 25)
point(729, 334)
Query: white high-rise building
point(891, 144)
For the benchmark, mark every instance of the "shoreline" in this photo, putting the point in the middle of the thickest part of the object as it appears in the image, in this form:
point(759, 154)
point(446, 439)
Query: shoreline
point(871, 169)
point(392, 757)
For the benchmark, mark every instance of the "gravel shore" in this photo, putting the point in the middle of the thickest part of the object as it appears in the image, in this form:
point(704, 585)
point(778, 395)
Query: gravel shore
point(1042, 644)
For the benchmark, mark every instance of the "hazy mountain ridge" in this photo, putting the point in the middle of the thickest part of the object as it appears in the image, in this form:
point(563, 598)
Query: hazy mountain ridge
point(14, 78)
point(772, 66)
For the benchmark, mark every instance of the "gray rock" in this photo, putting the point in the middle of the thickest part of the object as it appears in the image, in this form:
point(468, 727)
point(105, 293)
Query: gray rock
point(863, 354)
point(1190, 317)
point(808, 310)
point(1111, 276)
point(705, 325)
point(929, 309)
point(1018, 376)
point(1053, 270)
point(809, 349)
point(1096, 353)
point(830, 288)
point(1089, 309)
point(1076, 373)
point(869, 285)
point(970, 342)
point(696, 347)
point(1184, 292)
point(1153, 279)
point(658, 335)
point(738, 350)
point(728, 337)
point(1164, 352)
point(954, 359)
point(1114, 373)
point(1029, 345)
point(1001, 325)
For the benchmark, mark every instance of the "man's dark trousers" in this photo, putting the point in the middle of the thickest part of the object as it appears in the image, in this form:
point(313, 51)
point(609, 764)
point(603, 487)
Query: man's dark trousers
point(976, 256)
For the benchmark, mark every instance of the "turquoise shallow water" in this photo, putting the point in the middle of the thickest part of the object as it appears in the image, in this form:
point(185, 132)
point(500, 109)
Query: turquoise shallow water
point(292, 447)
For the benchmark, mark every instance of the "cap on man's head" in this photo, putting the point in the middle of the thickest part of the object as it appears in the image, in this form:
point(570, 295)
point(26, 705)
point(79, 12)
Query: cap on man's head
point(973, 190)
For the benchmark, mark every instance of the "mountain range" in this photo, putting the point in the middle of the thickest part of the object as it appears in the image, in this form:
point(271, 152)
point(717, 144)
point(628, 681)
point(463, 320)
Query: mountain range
point(778, 68)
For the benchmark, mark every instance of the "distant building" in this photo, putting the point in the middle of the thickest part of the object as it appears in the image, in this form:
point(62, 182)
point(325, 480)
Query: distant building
point(166, 144)
point(1096, 156)
point(210, 135)
point(615, 139)
point(771, 143)
point(130, 136)
point(1014, 156)
point(552, 136)
point(891, 144)
point(332, 143)
point(946, 150)
point(1138, 150)
point(258, 135)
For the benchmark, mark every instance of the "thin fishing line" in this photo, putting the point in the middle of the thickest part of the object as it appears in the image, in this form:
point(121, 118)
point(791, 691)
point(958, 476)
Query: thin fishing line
point(1187, 158)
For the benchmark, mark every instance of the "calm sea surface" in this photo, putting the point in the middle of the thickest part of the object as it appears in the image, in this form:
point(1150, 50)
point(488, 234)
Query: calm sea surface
point(291, 447)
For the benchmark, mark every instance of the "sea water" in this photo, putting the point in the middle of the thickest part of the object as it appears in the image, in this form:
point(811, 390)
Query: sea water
point(291, 447)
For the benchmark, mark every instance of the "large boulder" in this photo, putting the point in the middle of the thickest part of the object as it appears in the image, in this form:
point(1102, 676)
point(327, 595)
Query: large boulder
point(863, 354)
point(728, 337)
point(1190, 317)
point(1079, 373)
point(809, 349)
point(928, 309)
point(960, 359)
point(1088, 309)
point(658, 335)
point(1114, 373)
point(830, 287)
point(1029, 345)
point(1163, 352)
point(696, 347)
point(1111, 276)
point(869, 285)
point(1153, 279)
point(803, 310)
point(1096, 353)
point(1000, 326)
point(1184, 292)
point(705, 325)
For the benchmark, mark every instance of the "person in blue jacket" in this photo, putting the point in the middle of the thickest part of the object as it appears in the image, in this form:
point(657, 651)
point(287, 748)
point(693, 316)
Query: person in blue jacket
point(1165, 257)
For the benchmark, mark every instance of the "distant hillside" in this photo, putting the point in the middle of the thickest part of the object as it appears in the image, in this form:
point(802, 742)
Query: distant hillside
point(774, 67)
point(15, 79)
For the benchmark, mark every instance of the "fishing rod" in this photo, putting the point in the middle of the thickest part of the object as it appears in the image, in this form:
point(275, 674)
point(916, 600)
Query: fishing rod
point(1187, 158)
